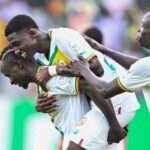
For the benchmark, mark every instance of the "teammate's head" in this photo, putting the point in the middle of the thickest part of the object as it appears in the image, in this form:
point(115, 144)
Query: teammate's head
point(143, 35)
point(95, 34)
point(21, 71)
point(23, 33)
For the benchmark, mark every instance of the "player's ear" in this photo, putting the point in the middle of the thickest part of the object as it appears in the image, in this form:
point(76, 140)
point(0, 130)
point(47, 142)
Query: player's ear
point(18, 64)
point(33, 33)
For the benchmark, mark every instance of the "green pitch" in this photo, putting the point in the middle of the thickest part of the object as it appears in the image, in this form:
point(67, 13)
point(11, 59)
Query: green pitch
point(139, 129)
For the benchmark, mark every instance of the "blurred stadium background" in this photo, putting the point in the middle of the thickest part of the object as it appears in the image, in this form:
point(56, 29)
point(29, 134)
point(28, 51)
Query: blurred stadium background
point(21, 127)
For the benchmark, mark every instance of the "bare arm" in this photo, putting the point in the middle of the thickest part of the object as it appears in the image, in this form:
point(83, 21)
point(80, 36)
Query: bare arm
point(116, 133)
point(94, 65)
point(123, 59)
point(43, 74)
point(106, 89)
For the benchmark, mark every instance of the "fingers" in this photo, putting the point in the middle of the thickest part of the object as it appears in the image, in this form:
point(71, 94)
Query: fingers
point(46, 104)
point(50, 110)
point(116, 137)
point(114, 140)
point(46, 109)
point(87, 38)
point(43, 75)
point(43, 99)
point(124, 133)
point(38, 77)
point(110, 142)
point(81, 58)
point(41, 96)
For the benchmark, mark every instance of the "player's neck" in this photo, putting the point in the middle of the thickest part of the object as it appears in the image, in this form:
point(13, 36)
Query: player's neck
point(34, 69)
point(33, 79)
point(45, 43)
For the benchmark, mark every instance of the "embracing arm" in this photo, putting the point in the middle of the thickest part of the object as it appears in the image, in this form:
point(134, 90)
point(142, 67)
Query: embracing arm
point(46, 72)
point(123, 59)
point(107, 89)
point(95, 66)
point(116, 133)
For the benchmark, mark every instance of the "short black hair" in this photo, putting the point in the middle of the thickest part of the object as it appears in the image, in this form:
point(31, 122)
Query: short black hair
point(18, 23)
point(11, 56)
point(95, 34)
point(8, 61)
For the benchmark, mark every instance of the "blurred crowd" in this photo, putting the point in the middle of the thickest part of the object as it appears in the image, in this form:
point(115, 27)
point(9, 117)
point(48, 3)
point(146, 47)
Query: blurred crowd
point(117, 19)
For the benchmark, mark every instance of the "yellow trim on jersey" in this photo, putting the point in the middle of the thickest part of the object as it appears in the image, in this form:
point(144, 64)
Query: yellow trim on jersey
point(78, 85)
point(121, 86)
point(58, 58)
point(50, 34)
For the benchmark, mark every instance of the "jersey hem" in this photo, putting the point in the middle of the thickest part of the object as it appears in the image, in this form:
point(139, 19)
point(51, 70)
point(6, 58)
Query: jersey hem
point(122, 87)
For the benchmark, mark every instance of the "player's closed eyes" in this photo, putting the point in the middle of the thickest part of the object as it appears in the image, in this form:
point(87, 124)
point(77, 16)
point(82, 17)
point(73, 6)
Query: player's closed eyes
point(15, 43)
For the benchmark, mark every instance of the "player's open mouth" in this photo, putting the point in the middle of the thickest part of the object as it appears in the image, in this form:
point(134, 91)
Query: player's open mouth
point(22, 53)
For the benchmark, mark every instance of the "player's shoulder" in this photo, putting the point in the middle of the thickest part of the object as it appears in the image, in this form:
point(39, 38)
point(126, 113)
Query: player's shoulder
point(65, 32)
point(65, 35)
point(142, 66)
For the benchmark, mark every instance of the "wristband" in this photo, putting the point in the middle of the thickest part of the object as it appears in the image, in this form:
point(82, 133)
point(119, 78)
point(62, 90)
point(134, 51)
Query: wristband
point(52, 70)
point(41, 67)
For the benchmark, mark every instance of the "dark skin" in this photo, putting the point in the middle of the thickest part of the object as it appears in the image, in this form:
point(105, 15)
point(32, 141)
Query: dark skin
point(30, 41)
point(25, 69)
point(74, 146)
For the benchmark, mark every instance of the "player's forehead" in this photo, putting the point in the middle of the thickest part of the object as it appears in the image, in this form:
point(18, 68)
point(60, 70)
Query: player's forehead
point(9, 61)
point(146, 20)
point(16, 35)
